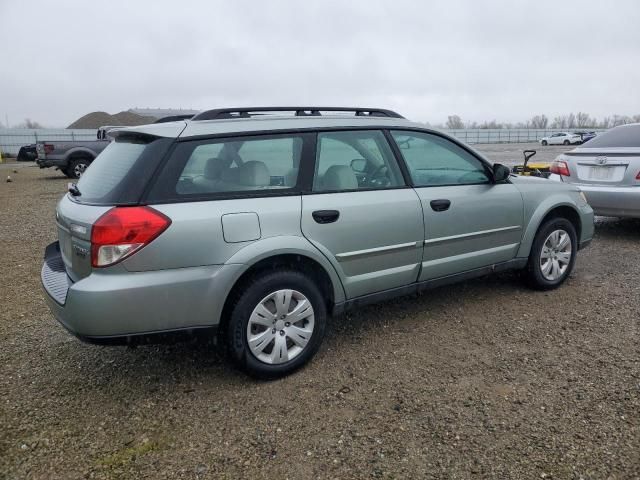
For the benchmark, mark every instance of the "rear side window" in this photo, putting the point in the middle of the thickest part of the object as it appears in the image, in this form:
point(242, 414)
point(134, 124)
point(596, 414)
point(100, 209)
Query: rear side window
point(239, 165)
point(623, 136)
point(120, 172)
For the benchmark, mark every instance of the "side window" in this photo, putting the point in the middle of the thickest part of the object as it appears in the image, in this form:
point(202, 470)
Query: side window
point(433, 160)
point(354, 160)
point(237, 165)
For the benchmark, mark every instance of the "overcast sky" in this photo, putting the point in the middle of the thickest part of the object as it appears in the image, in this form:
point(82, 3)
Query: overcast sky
point(481, 60)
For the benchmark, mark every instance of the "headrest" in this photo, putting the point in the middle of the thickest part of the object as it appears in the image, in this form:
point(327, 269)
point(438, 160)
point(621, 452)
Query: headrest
point(254, 174)
point(214, 168)
point(339, 177)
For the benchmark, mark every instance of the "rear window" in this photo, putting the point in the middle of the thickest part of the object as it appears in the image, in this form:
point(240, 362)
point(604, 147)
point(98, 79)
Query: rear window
point(119, 174)
point(623, 136)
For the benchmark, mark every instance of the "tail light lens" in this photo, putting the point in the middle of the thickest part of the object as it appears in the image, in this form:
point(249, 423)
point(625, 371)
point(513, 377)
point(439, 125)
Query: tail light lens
point(48, 148)
point(638, 176)
point(122, 231)
point(560, 168)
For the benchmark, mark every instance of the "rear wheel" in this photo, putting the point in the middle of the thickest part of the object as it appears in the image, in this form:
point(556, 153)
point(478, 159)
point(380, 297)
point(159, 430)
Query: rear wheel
point(277, 323)
point(77, 167)
point(544, 143)
point(552, 254)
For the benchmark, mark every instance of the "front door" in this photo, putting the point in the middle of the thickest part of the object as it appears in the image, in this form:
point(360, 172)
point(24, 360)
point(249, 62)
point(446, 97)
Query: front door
point(361, 214)
point(470, 222)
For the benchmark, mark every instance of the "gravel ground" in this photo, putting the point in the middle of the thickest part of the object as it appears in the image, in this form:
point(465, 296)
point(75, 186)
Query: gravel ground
point(484, 379)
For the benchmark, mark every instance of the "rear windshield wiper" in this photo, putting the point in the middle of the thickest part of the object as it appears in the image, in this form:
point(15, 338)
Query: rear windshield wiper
point(73, 189)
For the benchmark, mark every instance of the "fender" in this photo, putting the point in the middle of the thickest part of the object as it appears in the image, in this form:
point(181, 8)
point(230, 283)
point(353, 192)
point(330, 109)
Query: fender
point(283, 245)
point(552, 202)
point(74, 150)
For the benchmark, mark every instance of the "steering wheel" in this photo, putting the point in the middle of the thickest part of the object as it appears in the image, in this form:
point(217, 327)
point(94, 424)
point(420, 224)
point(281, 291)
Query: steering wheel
point(377, 178)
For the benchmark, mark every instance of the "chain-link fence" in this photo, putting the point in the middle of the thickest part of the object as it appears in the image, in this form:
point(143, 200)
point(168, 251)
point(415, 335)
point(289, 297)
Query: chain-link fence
point(12, 139)
point(510, 135)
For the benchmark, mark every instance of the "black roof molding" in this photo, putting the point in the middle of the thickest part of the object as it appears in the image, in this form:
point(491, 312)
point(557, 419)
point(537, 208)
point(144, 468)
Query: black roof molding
point(174, 118)
point(248, 112)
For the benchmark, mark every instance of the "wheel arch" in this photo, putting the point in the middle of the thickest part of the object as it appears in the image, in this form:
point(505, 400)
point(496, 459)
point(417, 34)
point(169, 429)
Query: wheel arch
point(556, 210)
point(261, 256)
point(80, 152)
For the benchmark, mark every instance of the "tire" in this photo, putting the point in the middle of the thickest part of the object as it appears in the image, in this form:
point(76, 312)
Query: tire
point(77, 167)
point(544, 143)
point(550, 274)
point(254, 316)
point(566, 142)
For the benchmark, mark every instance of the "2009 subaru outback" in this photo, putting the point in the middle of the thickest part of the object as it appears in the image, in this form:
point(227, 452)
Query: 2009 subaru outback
point(261, 222)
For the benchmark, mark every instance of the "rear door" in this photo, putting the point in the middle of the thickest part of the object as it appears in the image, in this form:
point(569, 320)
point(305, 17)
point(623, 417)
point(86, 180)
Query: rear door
point(361, 214)
point(469, 222)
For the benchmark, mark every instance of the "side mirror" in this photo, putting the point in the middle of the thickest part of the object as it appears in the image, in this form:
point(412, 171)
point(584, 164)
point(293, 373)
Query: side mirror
point(358, 165)
point(500, 173)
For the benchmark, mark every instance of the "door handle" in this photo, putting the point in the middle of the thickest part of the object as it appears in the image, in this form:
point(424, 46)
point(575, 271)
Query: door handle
point(440, 205)
point(325, 216)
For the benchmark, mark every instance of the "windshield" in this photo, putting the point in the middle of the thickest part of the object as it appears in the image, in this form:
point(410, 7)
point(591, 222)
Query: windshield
point(623, 136)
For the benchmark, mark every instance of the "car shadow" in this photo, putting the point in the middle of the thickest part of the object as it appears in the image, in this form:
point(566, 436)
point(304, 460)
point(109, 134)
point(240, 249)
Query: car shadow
point(617, 228)
point(201, 360)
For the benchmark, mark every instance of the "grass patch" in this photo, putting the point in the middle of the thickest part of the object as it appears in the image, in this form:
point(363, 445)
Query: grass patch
point(127, 455)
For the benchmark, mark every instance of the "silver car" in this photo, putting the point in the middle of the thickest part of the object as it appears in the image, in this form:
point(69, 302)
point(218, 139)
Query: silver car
point(259, 223)
point(607, 170)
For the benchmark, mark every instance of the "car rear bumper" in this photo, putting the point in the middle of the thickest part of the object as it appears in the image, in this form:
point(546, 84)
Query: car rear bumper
point(106, 307)
point(613, 201)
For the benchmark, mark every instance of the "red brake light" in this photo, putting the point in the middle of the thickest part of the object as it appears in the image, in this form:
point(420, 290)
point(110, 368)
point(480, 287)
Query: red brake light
point(638, 176)
point(48, 148)
point(122, 231)
point(560, 168)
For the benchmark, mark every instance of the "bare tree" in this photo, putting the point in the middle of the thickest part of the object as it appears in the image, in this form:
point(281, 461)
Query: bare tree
point(454, 122)
point(28, 123)
point(620, 120)
point(559, 122)
point(539, 121)
point(584, 120)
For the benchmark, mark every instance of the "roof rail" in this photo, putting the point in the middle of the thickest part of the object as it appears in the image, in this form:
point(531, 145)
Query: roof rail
point(174, 118)
point(226, 113)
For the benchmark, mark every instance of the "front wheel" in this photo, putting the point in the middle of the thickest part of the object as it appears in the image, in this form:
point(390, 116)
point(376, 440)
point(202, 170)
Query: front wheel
point(277, 324)
point(566, 142)
point(552, 254)
point(544, 143)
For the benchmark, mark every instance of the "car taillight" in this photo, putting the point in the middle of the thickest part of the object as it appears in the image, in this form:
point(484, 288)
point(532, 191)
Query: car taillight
point(122, 231)
point(48, 148)
point(560, 168)
point(638, 176)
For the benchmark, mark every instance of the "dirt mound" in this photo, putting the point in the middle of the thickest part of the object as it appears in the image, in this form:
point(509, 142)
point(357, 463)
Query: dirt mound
point(98, 119)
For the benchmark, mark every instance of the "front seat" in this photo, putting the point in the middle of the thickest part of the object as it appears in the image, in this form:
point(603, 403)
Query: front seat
point(253, 174)
point(339, 177)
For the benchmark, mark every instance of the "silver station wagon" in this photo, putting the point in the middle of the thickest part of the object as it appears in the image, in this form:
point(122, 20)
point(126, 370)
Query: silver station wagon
point(258, 223)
